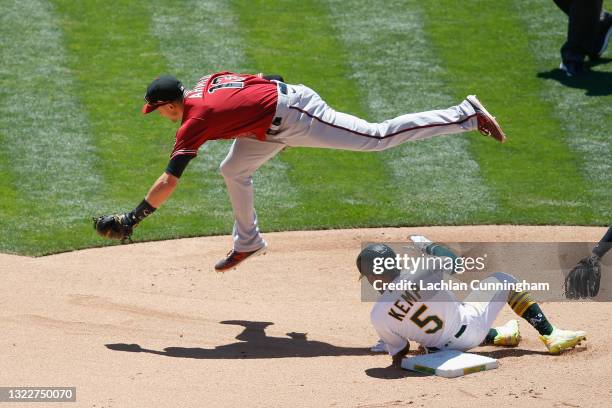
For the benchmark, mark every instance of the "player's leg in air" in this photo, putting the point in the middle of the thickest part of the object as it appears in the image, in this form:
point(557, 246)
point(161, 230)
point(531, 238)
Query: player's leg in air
point(308, 121)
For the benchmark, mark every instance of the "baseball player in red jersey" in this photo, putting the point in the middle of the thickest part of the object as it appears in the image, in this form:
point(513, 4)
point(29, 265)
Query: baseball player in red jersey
point(264, 115)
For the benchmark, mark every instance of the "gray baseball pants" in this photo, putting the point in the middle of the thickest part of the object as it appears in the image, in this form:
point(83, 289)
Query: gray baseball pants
point(307, 121)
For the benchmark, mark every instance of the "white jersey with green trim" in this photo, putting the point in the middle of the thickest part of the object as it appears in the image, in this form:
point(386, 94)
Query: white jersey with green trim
point(430, 318)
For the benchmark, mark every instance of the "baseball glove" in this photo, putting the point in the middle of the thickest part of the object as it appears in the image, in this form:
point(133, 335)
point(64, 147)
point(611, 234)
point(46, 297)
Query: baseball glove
point(583, 280)
point(115, 226)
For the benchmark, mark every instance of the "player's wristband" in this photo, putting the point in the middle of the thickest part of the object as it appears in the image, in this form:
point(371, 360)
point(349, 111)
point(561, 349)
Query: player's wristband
point(443, 252)
point(440, 250)
point(143, 210)
point(177, 165)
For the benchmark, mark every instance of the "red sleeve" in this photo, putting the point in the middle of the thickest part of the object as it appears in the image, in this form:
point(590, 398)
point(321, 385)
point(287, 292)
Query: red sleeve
point(190, 136)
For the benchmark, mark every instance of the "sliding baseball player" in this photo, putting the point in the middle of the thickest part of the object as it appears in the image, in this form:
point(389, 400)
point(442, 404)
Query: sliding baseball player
point(437, 321)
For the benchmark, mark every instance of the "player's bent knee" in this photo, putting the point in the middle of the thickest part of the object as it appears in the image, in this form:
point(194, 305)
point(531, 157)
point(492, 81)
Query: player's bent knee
point(236, 170)
point(229, 169)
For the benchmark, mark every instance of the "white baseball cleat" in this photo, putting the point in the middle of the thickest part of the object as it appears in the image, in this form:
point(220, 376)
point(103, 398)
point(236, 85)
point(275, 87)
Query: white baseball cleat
point(508, 335)
point(420, 242)
point(560, 340)
point(379, 347)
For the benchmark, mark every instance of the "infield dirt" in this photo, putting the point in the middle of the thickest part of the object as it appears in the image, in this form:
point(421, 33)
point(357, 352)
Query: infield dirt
point(152, 325)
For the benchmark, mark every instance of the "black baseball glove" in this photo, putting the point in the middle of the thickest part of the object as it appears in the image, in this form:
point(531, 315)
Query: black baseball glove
point(583, 281)
point(115, 226)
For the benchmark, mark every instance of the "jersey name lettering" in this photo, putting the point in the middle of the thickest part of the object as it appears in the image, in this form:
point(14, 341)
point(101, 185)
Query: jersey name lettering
point(409, 297)
point(198, 89)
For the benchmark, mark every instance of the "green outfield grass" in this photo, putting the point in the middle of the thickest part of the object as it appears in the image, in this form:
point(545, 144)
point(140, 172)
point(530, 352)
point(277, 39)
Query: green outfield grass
point(74, 144)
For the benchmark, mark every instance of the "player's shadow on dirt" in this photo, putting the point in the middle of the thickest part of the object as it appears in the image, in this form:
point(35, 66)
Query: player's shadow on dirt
point(511, 352)
point(393, 373)
point(595, 83)
point(253, 343)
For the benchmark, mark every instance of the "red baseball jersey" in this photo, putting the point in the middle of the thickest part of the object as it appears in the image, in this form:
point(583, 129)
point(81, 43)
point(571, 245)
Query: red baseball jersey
point(225, 105)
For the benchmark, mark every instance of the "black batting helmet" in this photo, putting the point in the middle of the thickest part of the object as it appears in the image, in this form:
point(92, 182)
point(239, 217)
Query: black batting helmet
point(367, 258)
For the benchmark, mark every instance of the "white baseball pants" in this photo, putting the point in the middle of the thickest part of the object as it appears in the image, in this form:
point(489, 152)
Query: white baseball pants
point(479, 310)
point(307, 121)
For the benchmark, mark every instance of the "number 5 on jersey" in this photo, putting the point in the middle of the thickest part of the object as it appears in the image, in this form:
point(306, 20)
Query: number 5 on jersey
point(416, 319)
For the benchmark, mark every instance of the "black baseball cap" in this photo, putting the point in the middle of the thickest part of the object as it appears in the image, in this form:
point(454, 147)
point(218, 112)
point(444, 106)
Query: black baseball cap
point(164, 89)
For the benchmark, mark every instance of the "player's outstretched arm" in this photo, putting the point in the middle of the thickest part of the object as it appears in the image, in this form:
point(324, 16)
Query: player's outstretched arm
point(428, 247)
point(604, 245)
point(161, 190)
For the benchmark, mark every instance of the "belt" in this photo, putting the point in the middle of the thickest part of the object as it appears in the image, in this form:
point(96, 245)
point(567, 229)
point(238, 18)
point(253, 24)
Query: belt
point(282, 87)
point(276, 122)
point(460, 331)
point(457, 335)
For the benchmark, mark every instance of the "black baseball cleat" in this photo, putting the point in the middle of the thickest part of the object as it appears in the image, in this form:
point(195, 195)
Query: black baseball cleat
point(487, 125)
point(234, 258)
point(572, 68)
point(604, 34)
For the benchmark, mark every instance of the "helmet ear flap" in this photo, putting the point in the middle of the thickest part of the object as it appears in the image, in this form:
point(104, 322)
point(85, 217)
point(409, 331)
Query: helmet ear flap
point(371, 260)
